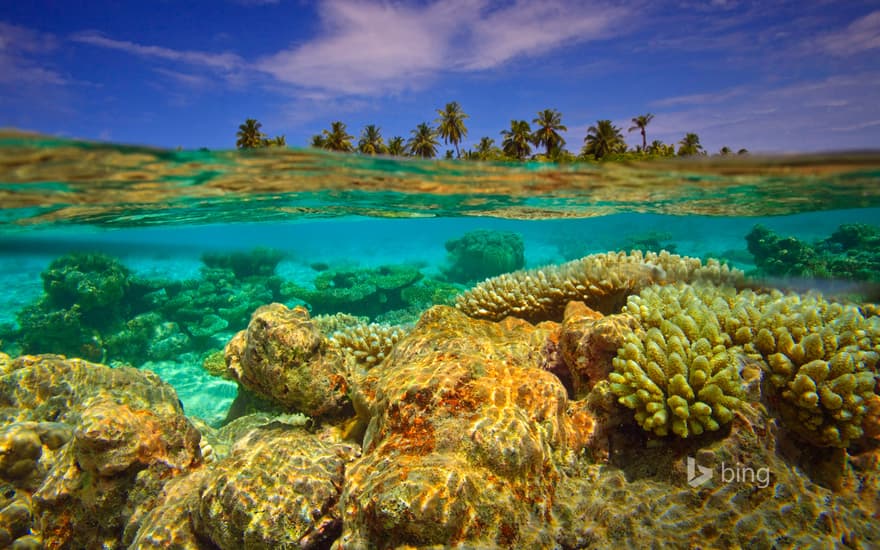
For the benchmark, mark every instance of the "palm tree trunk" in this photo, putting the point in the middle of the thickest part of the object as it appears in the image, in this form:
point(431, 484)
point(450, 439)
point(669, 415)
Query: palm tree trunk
point(644, 141)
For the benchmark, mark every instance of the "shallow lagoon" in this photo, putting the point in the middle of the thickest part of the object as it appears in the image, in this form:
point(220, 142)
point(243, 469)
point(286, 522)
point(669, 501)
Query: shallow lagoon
point(587, 475)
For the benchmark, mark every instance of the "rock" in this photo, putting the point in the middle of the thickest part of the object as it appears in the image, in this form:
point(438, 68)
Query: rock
point(259, 497)
point(88, 445)
point(468, 431)
point(588, 342)
point(281, 357)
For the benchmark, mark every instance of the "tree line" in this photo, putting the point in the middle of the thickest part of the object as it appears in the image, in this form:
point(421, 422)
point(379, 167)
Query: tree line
point(604, 140)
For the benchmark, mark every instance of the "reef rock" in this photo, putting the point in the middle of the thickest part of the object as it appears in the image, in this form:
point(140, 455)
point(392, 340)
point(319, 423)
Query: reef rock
point(281, 356)
point(260, 497)
point(87, 444)
point(467, 440)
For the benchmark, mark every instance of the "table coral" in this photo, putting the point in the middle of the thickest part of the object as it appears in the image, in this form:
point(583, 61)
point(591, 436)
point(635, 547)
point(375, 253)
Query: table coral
point(601, 281)
point(679, 373)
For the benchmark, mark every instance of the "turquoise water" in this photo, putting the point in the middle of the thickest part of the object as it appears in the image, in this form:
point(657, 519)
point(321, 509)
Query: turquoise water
point(171, 222)
point(159, 211)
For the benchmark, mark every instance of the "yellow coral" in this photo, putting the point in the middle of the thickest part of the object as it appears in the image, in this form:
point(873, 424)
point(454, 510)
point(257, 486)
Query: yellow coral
point(680, 375)
point(821, 357)
point(367, 344)
point(602, 281)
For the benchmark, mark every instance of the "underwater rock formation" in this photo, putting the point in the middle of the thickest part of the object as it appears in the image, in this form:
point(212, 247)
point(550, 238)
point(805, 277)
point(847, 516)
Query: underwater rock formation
point(479, 254)
point(281, 357)
point(259, 497)
point(466, 441)
point(87, 445)
point(601, 281)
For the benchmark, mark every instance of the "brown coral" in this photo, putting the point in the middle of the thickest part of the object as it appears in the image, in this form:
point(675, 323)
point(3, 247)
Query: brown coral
point(601, 281)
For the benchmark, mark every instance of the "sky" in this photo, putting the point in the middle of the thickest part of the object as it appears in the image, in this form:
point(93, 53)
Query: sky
point(769, 76)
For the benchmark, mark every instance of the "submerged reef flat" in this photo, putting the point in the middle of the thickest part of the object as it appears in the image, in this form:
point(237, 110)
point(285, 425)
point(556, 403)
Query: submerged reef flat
point(689, 413)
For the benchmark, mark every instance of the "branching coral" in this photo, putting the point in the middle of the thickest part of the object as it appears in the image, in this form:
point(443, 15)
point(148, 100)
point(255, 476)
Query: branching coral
point(821, 358)
point(680, 373)
point(367, 344)
point(602, 281)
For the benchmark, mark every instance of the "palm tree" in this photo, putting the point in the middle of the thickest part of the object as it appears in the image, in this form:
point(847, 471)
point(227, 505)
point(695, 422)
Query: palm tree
point(602, 139)
point(486, 149)
point(657, 147)
point(689, 145)
point(450, 125)
point(517, 141)
point(277, 141)
point(396, 146)
point(371, 142)
point(549, 124)
point(249, 135)
point(318, 141)
point(424, 141)
point(640, 123)
point(337, 138)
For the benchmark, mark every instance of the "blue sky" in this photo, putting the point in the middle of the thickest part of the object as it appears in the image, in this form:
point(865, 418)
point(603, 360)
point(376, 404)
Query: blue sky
point(767, 75)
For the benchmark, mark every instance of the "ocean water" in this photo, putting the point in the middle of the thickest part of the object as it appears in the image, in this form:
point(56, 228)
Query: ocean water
point(155, 259)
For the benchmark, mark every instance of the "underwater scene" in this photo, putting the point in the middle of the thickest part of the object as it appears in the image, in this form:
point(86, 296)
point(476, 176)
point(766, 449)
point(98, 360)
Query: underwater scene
point(300, 349)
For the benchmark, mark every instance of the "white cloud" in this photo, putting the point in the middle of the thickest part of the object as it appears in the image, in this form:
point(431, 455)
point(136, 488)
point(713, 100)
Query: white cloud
point(221, 61)
point(795, 117)
point(701, 99)
point(861, 35)
point(371, 48)
point(859, 126)
point(20, 51)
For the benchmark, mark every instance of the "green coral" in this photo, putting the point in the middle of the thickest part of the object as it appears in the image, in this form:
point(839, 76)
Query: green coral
point(259, 262)
point(821, 358)
point(680, 374)
point(479, 254)
point(851, 252)
point(367, 292)
point(215, 364)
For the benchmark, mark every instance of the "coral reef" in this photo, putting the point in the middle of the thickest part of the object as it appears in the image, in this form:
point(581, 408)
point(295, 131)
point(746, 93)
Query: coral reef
point(84, 446)
point(680, 371)
point(94, 308)
point(479, 254)
point(851, 252)
point(601, 281)
point(821, 359)
point(259, 262)
point(280, 356)
point(819, 356)
point(367, 292)
point(467, 439)
point(366, 344)
point(260, 498)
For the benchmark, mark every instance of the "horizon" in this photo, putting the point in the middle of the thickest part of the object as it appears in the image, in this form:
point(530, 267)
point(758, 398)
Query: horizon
point(791, 77)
